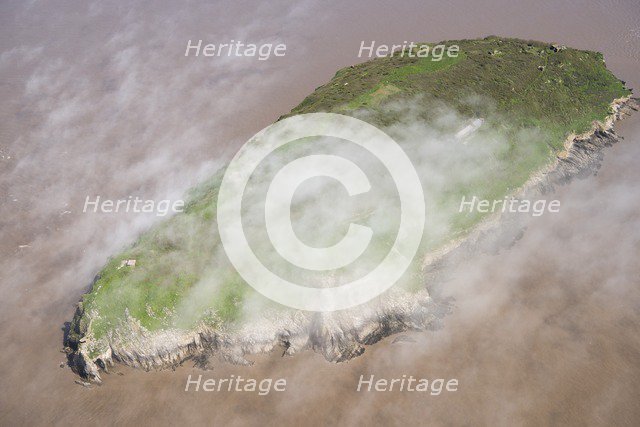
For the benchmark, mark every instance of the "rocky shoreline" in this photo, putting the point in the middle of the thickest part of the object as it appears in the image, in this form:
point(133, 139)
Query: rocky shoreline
point(338, 336)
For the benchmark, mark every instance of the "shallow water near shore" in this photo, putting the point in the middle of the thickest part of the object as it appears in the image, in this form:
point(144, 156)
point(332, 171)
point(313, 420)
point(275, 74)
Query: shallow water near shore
point(543, 333)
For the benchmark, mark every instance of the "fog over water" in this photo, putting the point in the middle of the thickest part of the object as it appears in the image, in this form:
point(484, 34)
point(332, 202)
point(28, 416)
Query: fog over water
point(99, 99)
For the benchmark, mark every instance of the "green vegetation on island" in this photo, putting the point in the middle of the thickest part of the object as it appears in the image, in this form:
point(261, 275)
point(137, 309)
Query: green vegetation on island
point(521, 88)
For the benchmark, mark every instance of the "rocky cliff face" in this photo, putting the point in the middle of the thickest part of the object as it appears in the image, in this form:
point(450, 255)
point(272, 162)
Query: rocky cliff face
point(338, 336)
point(584, 153)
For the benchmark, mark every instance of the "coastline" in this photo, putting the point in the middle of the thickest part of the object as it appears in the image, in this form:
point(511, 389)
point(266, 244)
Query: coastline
point(566, 165)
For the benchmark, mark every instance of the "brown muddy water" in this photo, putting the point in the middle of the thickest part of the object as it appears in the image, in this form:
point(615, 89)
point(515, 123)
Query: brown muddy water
point(98, 99)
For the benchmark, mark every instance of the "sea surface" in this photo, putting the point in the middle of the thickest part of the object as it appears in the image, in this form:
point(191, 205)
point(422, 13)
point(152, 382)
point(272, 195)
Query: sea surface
point(99, 99)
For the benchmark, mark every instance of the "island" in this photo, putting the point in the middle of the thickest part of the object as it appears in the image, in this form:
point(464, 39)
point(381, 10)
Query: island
point(509, 118)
